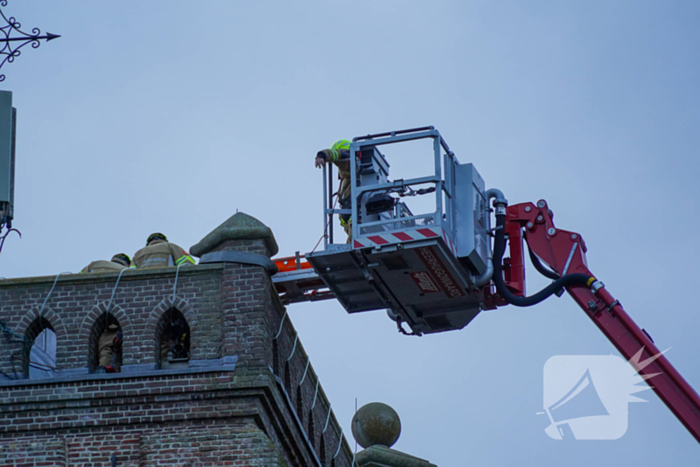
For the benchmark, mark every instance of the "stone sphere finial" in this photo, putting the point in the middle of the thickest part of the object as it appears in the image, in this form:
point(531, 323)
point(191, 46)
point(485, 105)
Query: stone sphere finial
point(376, 423)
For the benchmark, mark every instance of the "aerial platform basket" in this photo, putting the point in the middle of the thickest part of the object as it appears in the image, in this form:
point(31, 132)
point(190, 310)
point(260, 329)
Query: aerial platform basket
point(435, 270)
point(426, 269)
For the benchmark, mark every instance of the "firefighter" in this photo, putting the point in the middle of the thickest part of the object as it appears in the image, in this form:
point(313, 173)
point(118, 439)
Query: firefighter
point(175, 344)
point(109, 350)
point(159, 253)
point(339, 154)
point(117, 263)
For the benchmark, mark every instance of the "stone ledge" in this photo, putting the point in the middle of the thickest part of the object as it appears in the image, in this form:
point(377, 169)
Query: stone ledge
point(128, 275)
point(227, 363)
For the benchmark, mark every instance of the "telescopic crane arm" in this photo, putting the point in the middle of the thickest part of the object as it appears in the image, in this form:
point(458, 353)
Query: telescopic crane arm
point(564, 252)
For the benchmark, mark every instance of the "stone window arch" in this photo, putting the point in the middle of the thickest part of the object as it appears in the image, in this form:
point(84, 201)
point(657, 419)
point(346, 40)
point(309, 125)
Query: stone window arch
point(275, 357)
point(287, 379)
point(311, 432)
point(322, 450)
point(39, 353)
point(299, 404)
point(172, 340)
point(105, 345)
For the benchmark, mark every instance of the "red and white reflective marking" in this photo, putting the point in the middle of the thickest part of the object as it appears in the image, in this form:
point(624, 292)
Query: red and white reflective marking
point(448, 242)
point(404, 236)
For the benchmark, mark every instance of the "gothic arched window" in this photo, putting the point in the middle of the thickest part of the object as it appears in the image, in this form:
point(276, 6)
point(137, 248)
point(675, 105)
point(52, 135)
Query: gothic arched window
point(173, 340)
point(105, 345)
point(40, 350)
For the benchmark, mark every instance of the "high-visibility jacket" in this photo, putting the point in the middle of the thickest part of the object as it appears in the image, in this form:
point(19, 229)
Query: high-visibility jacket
point(339, 154)
point(102, 266)
point(160, 254)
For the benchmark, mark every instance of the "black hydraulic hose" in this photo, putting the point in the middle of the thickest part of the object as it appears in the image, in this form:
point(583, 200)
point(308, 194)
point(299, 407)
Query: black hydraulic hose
point(539, 266)
point(498, 250)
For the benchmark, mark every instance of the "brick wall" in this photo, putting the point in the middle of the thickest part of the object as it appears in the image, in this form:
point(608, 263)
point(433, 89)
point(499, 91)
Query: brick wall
point(236, 443)
point(247, 396)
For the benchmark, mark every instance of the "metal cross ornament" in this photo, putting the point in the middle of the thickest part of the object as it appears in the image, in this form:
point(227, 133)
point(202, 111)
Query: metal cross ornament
point(14, 39)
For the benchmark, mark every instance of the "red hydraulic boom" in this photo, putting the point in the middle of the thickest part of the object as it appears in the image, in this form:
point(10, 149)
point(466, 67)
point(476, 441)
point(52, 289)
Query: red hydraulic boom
point(564, 252)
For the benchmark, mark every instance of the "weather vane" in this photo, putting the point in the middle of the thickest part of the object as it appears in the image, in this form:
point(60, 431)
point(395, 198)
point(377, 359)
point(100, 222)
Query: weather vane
point(7, 42)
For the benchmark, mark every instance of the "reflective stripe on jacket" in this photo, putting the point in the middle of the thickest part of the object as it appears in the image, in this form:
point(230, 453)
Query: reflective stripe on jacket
point(102, 266)
point(339, 154)
point(338, 148)
point(161, 254)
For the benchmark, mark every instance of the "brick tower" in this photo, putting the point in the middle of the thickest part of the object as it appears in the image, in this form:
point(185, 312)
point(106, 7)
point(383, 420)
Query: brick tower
point(242, 391)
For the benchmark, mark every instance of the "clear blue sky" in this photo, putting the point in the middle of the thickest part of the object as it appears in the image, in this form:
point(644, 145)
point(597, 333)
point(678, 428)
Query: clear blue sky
point(170, 115)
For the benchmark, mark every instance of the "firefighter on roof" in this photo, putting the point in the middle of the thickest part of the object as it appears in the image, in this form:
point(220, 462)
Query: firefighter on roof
point(339, 154)
point(160, 253)
point(117, 263)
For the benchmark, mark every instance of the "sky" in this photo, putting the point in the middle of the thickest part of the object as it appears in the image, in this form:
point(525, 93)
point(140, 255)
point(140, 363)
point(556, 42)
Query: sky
point(170, 116)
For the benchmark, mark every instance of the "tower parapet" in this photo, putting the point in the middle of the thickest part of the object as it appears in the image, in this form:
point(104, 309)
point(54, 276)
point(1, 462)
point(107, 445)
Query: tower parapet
point(242, 391)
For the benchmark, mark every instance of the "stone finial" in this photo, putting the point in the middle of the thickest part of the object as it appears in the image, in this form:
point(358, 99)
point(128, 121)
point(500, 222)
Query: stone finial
point(380, 456)
point(240, 226)
point(376, 427)
point(376, 423)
